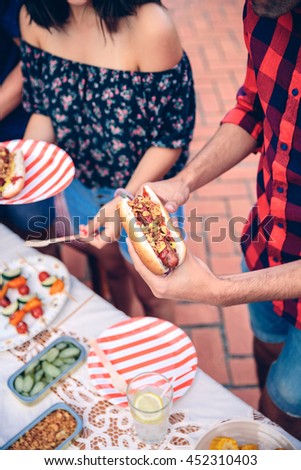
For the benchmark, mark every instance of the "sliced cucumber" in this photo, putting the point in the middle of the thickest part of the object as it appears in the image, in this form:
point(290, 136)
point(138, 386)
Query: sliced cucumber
point(11, 273)
point(1, 281)
point(25, 298)
point(49, 281)
point(10, 309)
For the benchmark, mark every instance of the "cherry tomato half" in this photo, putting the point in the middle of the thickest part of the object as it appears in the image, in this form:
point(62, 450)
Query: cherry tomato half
point(5, 302)
point(23, 290)
point(43, 275)
point(37, 312)
point(22, 327)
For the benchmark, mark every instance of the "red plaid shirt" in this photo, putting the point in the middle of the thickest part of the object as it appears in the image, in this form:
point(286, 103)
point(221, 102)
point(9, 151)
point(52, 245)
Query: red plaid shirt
point(268, 108)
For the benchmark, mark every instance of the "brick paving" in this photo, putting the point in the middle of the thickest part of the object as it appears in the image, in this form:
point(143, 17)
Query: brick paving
point(211, 34)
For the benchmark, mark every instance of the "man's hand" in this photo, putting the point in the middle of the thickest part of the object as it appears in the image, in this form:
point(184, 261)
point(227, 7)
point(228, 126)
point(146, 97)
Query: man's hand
point(192, 281)
point(173, 192)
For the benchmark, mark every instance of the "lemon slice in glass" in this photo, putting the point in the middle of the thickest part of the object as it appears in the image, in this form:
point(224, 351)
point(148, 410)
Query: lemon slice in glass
point(149, 407)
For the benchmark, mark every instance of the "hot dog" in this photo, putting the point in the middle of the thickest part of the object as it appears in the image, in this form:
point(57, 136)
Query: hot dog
point(150, 229)
point(12, 172)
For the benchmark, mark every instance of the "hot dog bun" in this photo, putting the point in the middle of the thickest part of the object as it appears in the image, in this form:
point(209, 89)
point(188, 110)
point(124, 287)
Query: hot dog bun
point(15, 177)
point(145, 238)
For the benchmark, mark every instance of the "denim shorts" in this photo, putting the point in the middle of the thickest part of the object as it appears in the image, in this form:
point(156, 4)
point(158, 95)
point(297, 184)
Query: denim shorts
point(84, 203)
point(284, 378)
point(32, 218)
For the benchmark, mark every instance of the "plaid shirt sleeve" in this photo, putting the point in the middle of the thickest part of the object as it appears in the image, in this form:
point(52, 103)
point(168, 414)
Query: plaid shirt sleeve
point(248, 112)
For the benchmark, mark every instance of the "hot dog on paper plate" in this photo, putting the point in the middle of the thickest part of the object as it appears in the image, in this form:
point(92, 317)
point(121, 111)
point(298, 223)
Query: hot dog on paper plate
point(150, 229)
point(12, 172)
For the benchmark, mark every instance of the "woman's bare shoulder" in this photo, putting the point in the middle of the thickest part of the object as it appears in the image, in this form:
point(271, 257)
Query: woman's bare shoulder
point(30, 31)
point(155, 39)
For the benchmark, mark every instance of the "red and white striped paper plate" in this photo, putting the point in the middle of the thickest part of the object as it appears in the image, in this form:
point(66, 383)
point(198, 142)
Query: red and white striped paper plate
point(144, 344)
point(49, 170)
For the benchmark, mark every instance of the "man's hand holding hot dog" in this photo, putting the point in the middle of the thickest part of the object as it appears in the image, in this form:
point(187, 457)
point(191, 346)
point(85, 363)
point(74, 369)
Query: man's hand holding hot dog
point(194, 282)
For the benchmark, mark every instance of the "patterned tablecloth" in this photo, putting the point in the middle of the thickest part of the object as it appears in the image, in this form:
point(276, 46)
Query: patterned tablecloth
point(105, 426)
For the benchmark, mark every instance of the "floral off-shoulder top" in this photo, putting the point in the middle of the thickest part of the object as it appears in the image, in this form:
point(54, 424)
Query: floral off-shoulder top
point(106, 119)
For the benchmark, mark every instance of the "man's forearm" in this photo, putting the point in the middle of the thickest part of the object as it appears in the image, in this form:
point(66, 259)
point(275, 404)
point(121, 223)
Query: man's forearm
point(11, 92)
point(229, 145)
point(276, 283)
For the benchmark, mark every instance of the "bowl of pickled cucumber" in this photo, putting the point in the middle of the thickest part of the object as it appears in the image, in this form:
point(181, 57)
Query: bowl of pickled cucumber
point(31, 381)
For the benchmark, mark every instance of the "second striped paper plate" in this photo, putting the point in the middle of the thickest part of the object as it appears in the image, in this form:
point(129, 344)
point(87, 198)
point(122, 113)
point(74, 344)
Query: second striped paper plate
point(48, 170)
point(144, 344)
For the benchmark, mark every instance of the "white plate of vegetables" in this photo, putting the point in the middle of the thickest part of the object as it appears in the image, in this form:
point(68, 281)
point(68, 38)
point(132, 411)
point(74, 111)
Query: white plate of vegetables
point(33, 291)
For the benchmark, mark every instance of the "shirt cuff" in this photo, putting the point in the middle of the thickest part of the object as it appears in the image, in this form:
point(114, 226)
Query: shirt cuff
point(246, 121)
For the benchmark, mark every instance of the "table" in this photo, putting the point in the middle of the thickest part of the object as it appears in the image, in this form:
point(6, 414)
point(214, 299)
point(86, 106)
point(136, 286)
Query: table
point(106, 426)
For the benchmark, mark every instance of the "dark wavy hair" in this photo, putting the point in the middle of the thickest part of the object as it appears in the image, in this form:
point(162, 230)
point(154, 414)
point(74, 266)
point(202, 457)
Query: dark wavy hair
point(55, 13)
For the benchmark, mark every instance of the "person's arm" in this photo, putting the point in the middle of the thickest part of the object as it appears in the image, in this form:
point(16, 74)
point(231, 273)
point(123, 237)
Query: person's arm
point(11, 92)
point(154, 165)
point(276, 283)
point(11, 88)
point(239, 135)
point(40, 127)
point(108, 217)
point(230, 145)
point(194, 282)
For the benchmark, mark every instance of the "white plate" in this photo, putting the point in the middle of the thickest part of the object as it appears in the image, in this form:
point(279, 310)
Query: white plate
point(48, 170)
point(144, 344)
point(52, 304)
point(247, 431)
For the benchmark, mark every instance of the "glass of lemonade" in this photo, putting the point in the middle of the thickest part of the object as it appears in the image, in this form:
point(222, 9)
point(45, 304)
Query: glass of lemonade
point(150, 396)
